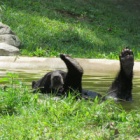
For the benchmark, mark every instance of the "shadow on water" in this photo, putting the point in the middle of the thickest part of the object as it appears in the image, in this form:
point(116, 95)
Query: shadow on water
point(98, 83)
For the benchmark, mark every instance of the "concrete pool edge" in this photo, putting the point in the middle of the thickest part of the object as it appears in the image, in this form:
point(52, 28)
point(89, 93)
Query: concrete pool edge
point(90, 66)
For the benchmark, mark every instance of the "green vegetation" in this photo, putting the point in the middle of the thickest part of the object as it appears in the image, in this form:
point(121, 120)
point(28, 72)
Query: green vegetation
point(26, 116)
point(82, 28)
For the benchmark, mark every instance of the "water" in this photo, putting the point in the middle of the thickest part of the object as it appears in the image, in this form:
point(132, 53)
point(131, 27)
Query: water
point(97, 82)
point(101, 85)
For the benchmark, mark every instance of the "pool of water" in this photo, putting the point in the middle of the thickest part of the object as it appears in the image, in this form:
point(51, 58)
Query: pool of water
point(99, 83)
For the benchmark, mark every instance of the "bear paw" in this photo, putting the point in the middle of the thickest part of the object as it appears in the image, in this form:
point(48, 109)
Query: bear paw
point(127, 60)
point(71, 63)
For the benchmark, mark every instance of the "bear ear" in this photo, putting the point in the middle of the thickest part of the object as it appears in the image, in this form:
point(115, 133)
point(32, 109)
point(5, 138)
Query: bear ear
point(33, 84)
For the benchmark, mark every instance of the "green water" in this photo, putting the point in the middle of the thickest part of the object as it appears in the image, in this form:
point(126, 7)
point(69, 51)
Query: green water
point(98, 83)
point(101, 84)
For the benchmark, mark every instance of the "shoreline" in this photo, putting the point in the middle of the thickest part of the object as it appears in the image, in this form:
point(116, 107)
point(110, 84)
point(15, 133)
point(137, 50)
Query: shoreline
point(33, 64)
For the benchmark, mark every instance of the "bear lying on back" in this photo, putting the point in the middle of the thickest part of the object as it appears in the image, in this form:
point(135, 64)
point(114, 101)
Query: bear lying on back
point(70, 81)
point(63, 82)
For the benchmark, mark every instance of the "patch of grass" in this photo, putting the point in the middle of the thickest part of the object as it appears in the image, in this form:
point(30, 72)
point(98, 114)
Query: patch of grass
point(81, 28)
point(33, 116)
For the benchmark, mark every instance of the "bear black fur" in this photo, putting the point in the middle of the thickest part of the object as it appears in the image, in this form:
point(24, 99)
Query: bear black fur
point(72, 78)
point(44, 85)
point(121, 87)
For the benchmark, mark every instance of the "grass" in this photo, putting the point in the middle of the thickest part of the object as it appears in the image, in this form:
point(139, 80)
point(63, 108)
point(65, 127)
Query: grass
point(33, 116)
point(91, 29)
point(82, 28)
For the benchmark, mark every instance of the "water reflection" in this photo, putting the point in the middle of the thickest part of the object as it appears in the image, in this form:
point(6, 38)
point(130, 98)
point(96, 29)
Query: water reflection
point(98, 83)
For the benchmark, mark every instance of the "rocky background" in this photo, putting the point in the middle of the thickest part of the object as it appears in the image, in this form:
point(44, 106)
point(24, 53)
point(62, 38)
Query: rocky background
point(9, 42)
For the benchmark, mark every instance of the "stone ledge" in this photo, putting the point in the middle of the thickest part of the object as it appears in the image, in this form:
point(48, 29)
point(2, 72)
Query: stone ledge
point(90, 66)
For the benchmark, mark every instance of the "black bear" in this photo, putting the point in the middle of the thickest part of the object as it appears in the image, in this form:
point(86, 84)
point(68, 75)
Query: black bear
point(69, 81)
point(121, 87)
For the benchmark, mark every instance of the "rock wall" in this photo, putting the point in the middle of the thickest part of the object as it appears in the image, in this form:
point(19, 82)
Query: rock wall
point(9, 42)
